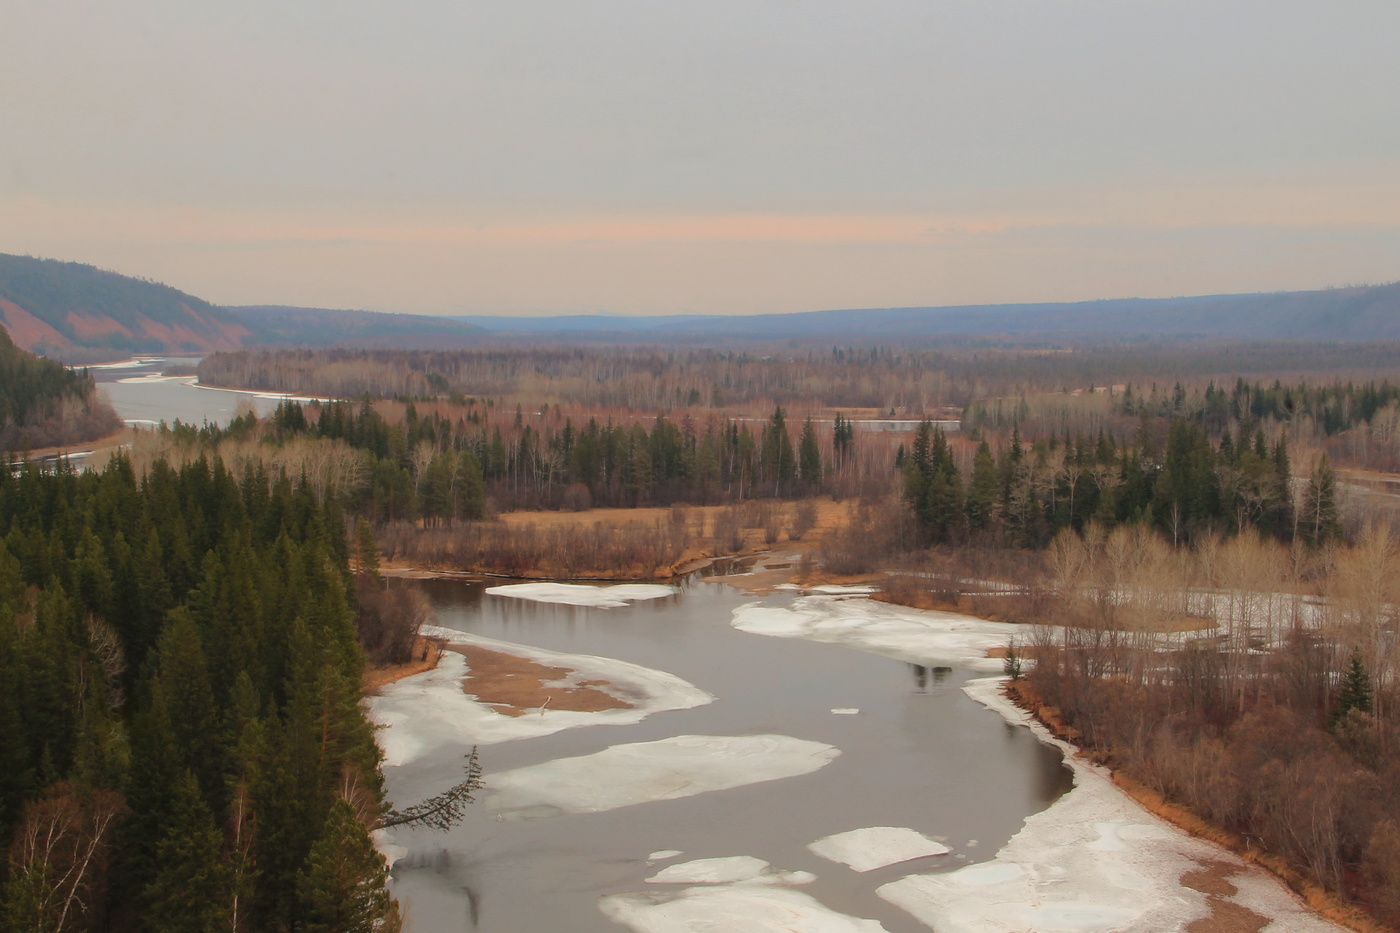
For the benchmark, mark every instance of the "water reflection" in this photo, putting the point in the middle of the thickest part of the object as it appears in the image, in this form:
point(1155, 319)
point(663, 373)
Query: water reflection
point(928, 758)
point(924, 677)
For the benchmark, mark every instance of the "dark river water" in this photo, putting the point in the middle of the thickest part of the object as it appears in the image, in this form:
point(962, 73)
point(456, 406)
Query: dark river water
point(919, 753)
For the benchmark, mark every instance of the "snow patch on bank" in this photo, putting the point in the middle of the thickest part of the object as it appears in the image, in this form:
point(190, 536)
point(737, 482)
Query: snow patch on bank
point(876, 846)
point(1093, 862)
point(736, 908)
point(430, 710)
point(666, 769)
point(729, 870)
point(149, 378)
point(578, 594)
point(918, 636)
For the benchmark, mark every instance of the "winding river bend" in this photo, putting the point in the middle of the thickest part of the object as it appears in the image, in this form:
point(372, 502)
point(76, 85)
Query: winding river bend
point(801, 740)
point(917, 752)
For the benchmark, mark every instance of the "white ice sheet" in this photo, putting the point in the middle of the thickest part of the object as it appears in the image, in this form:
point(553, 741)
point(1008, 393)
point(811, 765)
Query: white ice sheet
point(578, 594)
point(876, 846)
point(735, 908)
point(916, 635)
point(640, 772)
point(728, 870)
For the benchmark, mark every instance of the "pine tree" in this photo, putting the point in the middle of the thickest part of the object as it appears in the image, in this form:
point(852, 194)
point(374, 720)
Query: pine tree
point(366, 550)
point(189, 890)
point(1355, 692)
point(344, 886)
point(810, 458)
point(982, 494)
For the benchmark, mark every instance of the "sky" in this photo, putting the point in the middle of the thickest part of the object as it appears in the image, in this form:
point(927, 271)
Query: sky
point(710, 156)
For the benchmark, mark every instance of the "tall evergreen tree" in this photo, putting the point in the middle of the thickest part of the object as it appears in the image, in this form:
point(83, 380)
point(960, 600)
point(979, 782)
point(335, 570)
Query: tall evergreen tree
point(343, 888)
point(189, 889)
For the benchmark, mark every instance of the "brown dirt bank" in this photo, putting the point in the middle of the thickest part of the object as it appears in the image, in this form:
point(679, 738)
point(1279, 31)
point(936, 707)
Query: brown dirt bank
point(514, 685)
point(426, 652)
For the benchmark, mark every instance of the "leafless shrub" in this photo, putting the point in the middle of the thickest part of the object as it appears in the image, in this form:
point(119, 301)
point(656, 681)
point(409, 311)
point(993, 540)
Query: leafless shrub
point(729, 530)
point(635, 550)
point(804, 519)
point(576, 498)
point(389, 616)
point(877, 531)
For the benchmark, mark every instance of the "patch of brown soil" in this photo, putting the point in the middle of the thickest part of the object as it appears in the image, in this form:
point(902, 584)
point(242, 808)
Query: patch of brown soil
point(1213, 878)
point(1228, 917)
point(515, 685)
point(90, 327)
point(426, 652)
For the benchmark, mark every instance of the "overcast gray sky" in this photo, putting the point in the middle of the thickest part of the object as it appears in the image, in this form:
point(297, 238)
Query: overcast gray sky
point(657, 156)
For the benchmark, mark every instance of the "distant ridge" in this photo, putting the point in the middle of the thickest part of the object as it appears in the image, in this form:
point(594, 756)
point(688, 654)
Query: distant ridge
point(54, 307)
point(82, 313)
point(319, 327)
point(1360, 313)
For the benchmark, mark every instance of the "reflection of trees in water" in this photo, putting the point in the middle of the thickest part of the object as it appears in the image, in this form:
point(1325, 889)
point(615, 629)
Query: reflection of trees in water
point(447, 864)
point(926, 676)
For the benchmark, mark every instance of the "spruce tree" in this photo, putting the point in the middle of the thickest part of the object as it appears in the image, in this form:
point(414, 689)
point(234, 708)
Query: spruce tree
point(810, 456)
point(982, 494)
point(1355, 692)
point(344, 887)
point(189, 890)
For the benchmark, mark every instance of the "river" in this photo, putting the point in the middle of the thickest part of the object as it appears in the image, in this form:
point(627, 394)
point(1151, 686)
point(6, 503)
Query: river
point(916, 752)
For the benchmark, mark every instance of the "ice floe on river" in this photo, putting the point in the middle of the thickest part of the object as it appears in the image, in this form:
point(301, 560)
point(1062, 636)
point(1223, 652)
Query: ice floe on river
point(578, 594)
point(622, 775)
point(728, 870)
point(430, 710)
point(733, 908)
point(915, 635)
point(876, 846)
point(1093, 862)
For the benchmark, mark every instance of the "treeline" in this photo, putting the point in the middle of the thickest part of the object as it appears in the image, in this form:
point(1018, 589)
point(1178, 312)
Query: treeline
point(626, 379)
point(43, 403)
point(447, 462)
point(1184, 484)
point(1212, 676)
point(910, 382)
point(1356, 423)
point(179, 699)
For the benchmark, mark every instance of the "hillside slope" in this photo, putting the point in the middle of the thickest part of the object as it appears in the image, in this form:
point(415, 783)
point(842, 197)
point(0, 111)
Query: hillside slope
point(56, 308)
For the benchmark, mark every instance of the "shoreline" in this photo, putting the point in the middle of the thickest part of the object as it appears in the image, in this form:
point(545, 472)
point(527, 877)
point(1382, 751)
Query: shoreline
point(1314, 897)
point(1241, 891)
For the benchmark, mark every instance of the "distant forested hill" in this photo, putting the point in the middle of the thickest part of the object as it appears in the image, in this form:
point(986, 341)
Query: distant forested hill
point(1362, 313)
point(322, 327)
point(79, 312)
point(62, 308)
point(43, 403)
